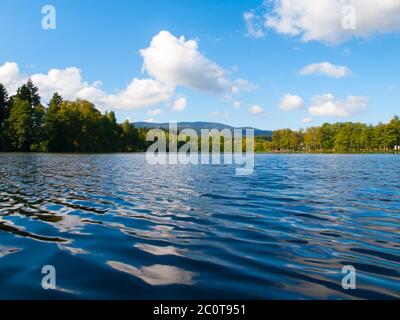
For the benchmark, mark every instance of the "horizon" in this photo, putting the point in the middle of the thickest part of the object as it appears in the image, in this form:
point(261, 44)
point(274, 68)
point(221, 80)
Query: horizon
point(227, 124)
point(315, 73)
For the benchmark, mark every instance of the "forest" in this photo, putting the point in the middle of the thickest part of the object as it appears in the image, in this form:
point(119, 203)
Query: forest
point(336, 137)
point(63, 126)
point(78, 126)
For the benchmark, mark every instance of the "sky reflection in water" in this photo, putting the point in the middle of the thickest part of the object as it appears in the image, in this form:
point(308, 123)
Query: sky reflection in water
point(116, 227)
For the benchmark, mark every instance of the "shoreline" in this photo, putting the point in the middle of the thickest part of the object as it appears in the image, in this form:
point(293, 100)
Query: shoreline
point(256, 152)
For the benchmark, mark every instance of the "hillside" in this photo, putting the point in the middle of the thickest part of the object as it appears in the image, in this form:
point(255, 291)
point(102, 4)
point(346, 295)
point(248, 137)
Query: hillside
point(197, 126)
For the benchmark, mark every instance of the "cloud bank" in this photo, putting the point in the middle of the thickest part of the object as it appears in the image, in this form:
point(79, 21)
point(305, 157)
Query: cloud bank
point(178, 62)
point(169, 62)
point(328, 105)
point(326, 21)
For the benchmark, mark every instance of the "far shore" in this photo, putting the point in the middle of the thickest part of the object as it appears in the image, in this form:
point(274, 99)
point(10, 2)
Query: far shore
point(256, 152)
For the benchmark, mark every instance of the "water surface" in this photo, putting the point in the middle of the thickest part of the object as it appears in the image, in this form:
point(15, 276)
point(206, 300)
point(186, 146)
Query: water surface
point(115, 227)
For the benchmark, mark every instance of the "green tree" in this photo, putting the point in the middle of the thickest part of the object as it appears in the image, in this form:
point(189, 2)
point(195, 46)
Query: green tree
point(328, 132)
point(31, 138)
point(19, 125)
point(30, 93)
point(3, 115)
point(52, 125)
point(128, 136)
point(312, 139)
point(392, 133)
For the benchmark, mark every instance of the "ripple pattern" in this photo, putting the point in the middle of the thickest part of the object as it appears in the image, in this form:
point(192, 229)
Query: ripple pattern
point(116, 227)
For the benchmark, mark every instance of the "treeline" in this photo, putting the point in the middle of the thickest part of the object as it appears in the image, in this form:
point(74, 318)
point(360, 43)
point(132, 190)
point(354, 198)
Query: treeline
point(77, 126)
point(63, 126)
point(336, 137)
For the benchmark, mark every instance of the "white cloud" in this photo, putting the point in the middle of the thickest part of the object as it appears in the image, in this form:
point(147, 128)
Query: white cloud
point(141, 93)
point(10, 76)
point(291, 102)
point(322, 20)
point(178, 62)
point(149, 120)
point(242, 85)
point(253, 24)
point(69, 83)
point(308, 120)
point(180, 104)
point(154, 112)
point(326, 68)
point(327, 105)
point(256, 109)
point(170, 61)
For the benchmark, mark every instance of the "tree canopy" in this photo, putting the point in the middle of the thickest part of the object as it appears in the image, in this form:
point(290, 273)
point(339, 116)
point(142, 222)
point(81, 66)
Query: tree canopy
point(62, 126)
point(337, 137)
point(78, 126)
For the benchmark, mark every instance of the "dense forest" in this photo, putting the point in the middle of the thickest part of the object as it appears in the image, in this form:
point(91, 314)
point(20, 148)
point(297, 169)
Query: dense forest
point(63, 126)
point(336, 137)
point(77, 126)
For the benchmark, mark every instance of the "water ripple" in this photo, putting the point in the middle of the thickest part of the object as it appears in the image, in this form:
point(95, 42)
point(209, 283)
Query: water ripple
point(116, 227)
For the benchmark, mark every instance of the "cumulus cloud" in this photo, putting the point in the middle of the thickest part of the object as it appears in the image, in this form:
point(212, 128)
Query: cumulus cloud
point(10, 76)
point(327, 69)
point(291, 102)
point(180, 104)
point(328, 105)
point(178, 62)
point(69, 83)
point(254, 24)
point(256, 109)
point(326, 20)
point(141, 93)
point(169, 61)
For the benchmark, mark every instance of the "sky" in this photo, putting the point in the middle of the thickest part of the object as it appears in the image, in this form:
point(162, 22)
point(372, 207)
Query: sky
point(272, 64)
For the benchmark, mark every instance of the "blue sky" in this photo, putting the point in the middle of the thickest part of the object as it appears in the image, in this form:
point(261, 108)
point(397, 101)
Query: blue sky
point(103, 38)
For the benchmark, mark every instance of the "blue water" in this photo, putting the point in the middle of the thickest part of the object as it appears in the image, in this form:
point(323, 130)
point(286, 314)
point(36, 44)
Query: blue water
point(115, 227)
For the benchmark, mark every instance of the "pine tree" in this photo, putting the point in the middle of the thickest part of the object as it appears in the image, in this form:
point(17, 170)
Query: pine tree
point(28, 92)
point(3, 115)
point(19, 125)
point(55, 101)
point(25, 121)
point(52, 124)
point(3, 104)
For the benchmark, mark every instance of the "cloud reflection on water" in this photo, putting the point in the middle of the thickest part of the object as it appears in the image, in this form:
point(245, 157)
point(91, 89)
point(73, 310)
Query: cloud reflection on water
point(156, 275)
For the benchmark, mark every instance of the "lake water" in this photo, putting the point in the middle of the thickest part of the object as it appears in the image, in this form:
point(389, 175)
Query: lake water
point(115, 227)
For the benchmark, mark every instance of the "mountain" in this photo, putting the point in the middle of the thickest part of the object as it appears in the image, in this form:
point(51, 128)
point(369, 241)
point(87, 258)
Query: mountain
point(197, 126)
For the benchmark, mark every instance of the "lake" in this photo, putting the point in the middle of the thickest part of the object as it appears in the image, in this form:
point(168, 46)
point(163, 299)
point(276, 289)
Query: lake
point(115, 227)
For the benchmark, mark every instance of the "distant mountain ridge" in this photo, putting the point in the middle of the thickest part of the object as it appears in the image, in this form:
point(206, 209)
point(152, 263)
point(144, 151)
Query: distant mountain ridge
point(198, 125)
